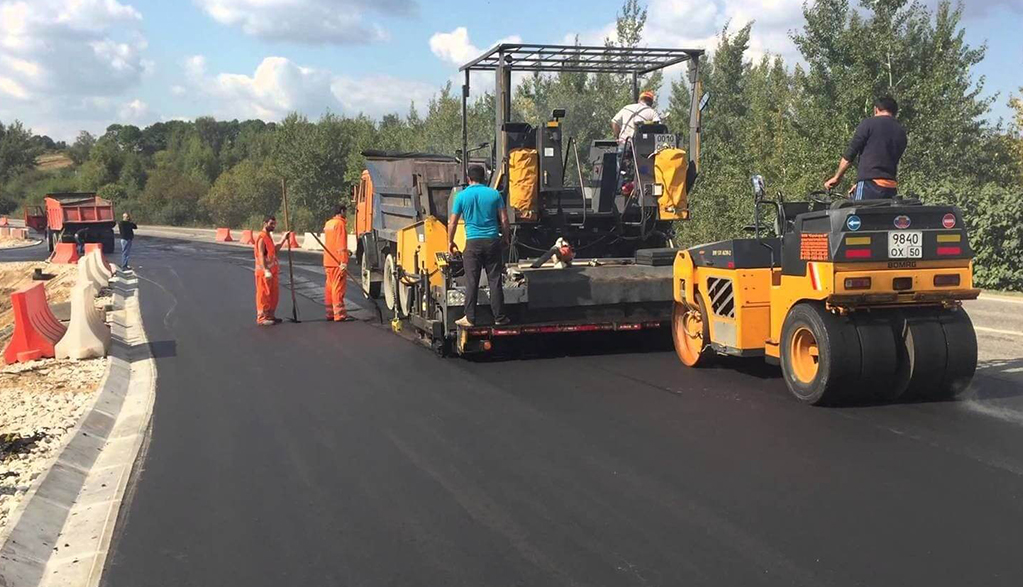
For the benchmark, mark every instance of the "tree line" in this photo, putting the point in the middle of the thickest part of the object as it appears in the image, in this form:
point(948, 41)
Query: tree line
point(787, 122)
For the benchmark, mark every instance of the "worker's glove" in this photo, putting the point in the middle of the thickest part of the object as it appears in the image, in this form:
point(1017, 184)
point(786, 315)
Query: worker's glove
point(268, 274)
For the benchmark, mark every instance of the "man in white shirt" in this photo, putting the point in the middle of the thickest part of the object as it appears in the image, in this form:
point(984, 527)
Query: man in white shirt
point(623, 125)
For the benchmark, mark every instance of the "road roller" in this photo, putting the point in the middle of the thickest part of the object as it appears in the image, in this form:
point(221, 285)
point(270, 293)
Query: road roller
point(857, 301)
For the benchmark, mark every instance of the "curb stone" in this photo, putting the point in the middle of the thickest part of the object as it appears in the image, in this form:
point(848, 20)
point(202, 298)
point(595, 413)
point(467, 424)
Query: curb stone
point(61, 532)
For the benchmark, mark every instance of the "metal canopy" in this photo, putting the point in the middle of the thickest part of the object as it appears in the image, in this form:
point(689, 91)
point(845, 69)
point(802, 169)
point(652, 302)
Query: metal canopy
point(579, 58)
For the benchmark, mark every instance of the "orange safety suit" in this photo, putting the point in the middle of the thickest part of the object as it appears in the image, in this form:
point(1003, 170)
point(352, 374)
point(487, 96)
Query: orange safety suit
point(335, 241)
point(267, 288)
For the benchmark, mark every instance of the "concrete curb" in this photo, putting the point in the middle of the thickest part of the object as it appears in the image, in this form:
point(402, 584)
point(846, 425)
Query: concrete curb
point(61, 533)
point(25, 246)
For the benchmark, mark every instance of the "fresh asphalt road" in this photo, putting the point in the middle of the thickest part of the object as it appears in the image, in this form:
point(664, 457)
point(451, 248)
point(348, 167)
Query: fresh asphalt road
point(342, 454)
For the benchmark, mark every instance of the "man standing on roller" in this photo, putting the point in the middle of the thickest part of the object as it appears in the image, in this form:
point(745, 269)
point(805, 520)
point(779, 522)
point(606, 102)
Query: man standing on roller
point(879, 142)
point(267, 269)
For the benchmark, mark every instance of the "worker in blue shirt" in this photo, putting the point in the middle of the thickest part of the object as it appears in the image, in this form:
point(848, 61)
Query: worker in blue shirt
point(486, 233)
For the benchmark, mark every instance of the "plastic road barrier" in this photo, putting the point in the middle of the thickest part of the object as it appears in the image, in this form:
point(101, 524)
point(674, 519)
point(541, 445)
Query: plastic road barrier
point(65, 253)
point(36, 330)
point(224, 235)
point(309, 242)
point(247, 238)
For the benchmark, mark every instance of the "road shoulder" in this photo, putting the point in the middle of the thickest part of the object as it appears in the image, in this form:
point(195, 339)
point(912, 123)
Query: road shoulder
point(61, 533)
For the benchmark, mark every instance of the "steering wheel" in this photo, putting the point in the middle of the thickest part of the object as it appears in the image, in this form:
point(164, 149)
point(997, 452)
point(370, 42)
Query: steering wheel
point(823, 197)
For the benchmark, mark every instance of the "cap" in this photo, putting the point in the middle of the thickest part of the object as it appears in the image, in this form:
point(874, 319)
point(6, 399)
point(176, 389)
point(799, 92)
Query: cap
point(646, 94)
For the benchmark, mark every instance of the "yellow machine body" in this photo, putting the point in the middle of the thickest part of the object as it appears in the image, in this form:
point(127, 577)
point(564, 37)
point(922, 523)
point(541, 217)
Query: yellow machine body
point(419, 245)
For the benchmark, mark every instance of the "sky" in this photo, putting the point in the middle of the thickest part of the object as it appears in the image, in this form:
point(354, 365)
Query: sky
point(72, 65)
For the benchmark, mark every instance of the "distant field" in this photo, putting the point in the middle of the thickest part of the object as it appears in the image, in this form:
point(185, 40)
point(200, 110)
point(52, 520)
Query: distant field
point(53, 162)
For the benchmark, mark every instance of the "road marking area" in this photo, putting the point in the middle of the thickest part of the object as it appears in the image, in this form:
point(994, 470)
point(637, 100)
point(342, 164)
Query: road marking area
point(1007, 300)
point(997, 331)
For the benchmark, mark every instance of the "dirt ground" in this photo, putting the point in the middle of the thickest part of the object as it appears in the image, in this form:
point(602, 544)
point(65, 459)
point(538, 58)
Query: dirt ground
point(13, 243)
point(14, 276)
point(40, 401)
point(53, 161)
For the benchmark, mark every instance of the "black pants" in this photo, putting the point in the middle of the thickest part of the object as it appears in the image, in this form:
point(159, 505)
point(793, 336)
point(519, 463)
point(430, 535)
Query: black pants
point(479, 254)
point(868, 190)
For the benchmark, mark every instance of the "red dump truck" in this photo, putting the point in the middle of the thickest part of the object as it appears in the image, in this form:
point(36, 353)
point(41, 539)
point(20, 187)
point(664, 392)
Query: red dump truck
point(79, 217)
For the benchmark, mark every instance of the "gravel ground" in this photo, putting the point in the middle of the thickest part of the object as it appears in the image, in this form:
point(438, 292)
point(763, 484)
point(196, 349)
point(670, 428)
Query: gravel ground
point(45, 397)
point(15, 243)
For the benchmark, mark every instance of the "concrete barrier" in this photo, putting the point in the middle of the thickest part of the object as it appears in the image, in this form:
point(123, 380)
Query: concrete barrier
point(90, 272)
point(21, 233)
point(87, 336)
point(5, 232)
point(224, 235)
point(246, 238)
point(3, 221)
point(353, 244)
point(106, 269)
point(65, 253)
point(36, 330)
point(309, 242)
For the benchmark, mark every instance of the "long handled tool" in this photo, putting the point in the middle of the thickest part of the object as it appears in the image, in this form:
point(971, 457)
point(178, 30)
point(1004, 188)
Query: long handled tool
point(291, 271)
point(340, 264)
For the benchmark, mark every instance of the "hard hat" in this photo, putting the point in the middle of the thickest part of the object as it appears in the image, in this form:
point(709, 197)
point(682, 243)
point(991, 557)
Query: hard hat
point(646, 94)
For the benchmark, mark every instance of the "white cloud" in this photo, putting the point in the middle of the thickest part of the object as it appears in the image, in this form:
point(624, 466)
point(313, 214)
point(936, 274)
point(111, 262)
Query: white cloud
point(62, 55)
point(135, 111)
point(456, 48)
point(279, 86)
point(341, 22)
point(380, 94)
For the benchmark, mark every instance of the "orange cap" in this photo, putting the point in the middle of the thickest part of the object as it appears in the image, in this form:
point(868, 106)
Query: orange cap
point(646, 94)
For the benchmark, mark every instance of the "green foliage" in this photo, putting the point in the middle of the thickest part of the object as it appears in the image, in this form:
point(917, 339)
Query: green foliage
point(244, 191)
point(172, 198)
point(17, 152)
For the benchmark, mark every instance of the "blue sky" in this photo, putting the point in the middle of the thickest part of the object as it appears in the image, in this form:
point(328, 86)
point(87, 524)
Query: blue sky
point(71, 65)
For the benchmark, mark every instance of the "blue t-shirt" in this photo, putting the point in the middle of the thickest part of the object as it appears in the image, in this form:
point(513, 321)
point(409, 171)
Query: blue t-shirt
point(479, 205)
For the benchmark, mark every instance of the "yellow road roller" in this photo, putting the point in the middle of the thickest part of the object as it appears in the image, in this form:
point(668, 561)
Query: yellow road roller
point(856, 300)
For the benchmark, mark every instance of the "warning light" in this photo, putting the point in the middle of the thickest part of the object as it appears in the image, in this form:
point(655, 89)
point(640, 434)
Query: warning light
point(857, 253)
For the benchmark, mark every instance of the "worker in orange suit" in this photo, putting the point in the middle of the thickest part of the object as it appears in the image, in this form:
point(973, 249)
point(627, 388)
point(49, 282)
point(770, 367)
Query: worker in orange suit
point(335, 264)
point(267, 269)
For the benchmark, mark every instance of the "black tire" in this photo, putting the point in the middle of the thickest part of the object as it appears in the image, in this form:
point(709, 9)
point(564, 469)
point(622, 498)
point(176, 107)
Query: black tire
point(879, 357)
point(108, 243)
point(961, 344)
point(838, 355)
point(370, 288)
point(923, 356)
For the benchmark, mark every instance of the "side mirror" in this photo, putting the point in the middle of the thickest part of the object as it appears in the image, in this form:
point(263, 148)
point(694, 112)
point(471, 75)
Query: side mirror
point(704, 101)
point(758, 187)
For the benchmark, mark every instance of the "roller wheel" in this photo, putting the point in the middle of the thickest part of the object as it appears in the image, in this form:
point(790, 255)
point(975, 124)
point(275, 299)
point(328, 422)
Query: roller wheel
point(923, 356)
point(820, 355)
point(390, 285)
point(879, 359)
point(690, 330)
point(406, 294)
point(961, 343)
point(369, 288)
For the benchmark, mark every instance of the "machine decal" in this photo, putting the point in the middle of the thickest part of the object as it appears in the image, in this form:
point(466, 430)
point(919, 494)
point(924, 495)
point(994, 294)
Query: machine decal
point(815, 277)
point(853, 223)
point(902, 222)
point(813, 246)
point(722, 296)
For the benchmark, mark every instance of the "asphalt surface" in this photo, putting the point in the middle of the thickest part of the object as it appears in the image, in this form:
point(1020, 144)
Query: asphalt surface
point(342, 454)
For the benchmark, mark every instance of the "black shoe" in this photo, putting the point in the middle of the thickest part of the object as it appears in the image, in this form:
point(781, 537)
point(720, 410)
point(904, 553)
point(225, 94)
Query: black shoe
point(502, 321)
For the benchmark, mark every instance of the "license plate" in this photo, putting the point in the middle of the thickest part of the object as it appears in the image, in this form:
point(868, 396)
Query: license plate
point(905, 244)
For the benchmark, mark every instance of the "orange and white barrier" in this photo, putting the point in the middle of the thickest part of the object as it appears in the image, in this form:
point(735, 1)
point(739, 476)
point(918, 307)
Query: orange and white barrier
point(36, 330)
point(87, 335)
point(224, 235)
point(65, 253)
point(5, 232)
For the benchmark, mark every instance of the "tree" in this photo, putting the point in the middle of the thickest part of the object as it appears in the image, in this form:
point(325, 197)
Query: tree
point(16, 151)
point(79, 151)
point(172, 197)
point(245, 191)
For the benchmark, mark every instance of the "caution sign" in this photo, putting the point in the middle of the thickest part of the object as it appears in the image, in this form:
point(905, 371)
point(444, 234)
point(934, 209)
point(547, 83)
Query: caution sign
point(813, 247)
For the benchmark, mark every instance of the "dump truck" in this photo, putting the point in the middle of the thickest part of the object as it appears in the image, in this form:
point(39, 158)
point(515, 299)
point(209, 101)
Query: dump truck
point(35, 218)
point(855, 300)
point(79, 216)
point(588, 253)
